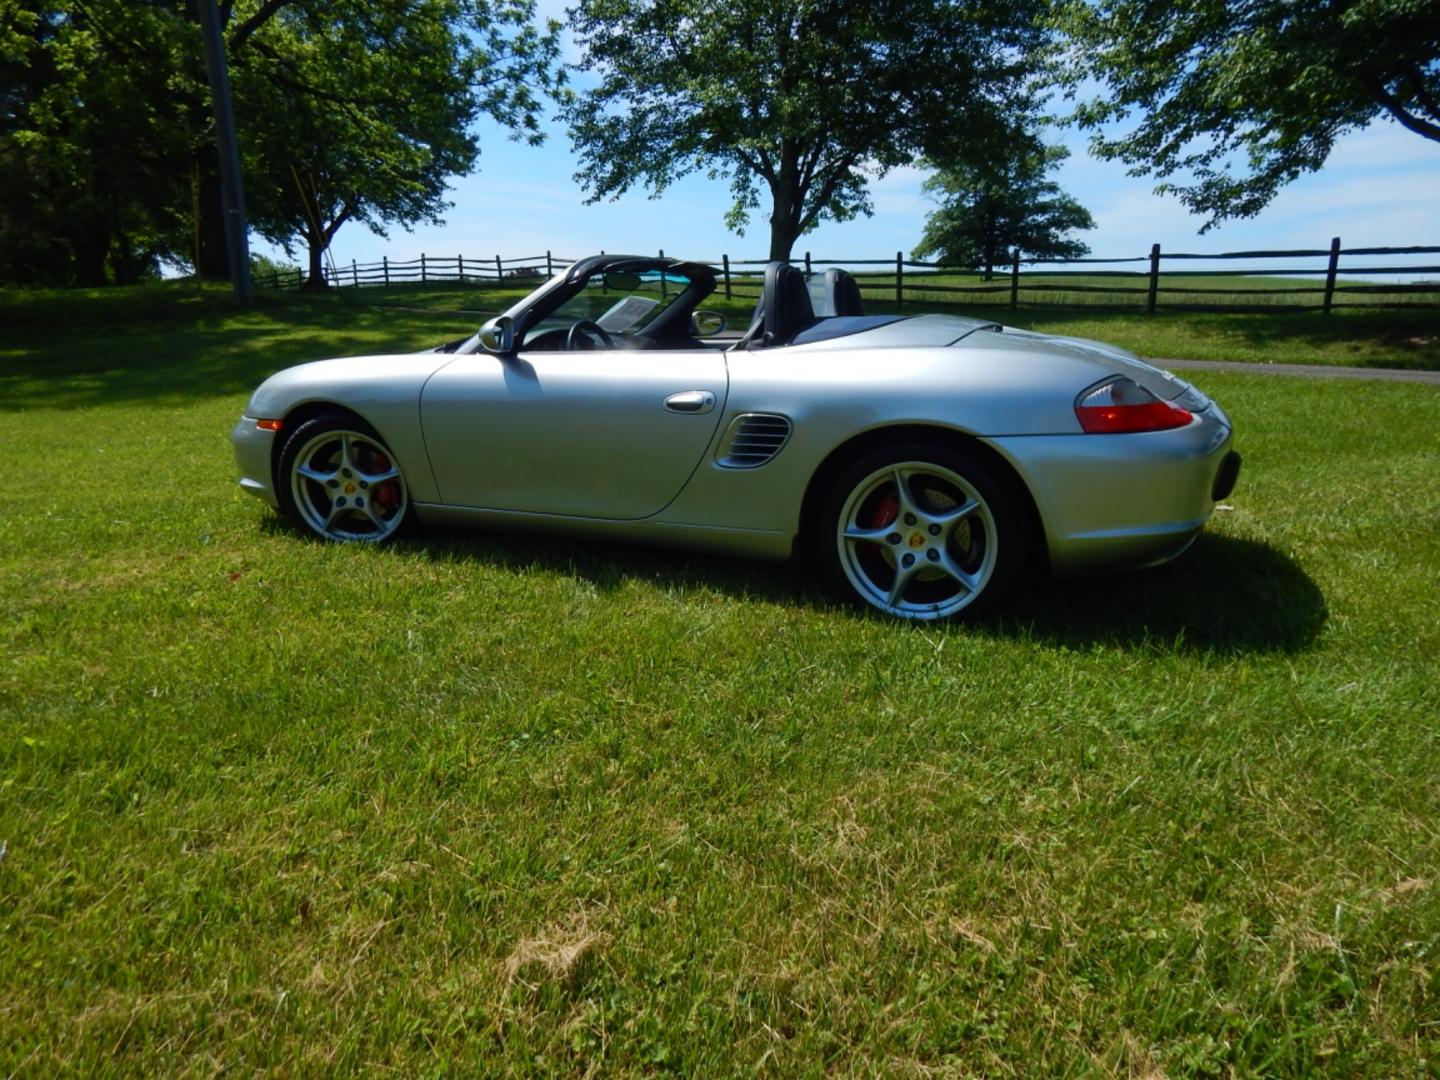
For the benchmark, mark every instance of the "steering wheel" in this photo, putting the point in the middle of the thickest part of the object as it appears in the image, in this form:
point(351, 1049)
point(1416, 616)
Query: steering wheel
point(577, 337)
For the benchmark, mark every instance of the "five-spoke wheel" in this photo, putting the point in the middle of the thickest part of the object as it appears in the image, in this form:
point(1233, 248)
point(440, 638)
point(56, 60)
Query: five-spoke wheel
point(340, 481)
point(921, 532)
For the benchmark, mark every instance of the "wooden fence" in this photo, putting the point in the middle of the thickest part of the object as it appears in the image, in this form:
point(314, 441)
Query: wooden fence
point(1142, 281)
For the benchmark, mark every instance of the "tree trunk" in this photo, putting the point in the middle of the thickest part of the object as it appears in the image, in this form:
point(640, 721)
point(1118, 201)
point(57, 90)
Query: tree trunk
point(782, 242)
point(212, 261)
point(783, 229)
point(316, 280)
point(89, 249)
point(89, 235)
point(785, 214)
point(991, 245)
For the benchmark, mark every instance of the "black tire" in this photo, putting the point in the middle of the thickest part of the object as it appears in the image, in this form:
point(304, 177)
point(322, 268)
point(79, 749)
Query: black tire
point(352, 488)
point(950, 546)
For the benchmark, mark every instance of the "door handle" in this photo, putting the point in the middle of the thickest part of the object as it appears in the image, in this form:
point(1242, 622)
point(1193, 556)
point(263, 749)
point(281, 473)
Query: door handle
point(691, 401)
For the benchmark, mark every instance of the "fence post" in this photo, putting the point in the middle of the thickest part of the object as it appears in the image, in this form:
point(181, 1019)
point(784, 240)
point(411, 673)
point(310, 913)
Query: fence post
point(1330, 273)
point(1015, 278)
point(460, 267)
point(422, 268)
point(549, 264)
point(1154, 293)
point(807, 264)
point(354, 274)
point(385, 264)
point(899, 279)
point(725, 262)
point(499, 269)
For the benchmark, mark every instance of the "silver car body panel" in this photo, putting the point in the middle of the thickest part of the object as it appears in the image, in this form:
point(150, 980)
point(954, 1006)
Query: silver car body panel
point(582, 442)
point(384, 390)
point(583, 433)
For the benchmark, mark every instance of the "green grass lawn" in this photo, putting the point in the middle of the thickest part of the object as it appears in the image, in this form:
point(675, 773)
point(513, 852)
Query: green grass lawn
point(492, 805)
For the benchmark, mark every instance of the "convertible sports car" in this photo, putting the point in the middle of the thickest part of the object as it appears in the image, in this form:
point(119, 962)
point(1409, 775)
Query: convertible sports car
point(921, 461)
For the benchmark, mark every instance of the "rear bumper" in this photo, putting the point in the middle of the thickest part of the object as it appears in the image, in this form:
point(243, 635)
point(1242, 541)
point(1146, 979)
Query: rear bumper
point(253, 449)
point(1115, 501)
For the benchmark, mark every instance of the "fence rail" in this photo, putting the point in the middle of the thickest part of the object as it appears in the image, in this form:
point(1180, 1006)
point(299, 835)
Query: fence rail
point(1019, 282)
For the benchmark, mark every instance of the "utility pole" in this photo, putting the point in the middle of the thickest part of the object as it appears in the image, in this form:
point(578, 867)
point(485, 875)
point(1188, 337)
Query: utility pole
point(232, 194)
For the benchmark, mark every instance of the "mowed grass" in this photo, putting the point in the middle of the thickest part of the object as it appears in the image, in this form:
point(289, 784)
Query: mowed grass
point(474, 804)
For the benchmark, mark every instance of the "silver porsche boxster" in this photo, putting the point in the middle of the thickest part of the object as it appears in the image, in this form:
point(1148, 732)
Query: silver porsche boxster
point(920, 461)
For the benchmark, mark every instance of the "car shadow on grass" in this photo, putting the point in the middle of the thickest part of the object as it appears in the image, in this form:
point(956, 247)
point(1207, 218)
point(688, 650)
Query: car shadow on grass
point(1226, 595)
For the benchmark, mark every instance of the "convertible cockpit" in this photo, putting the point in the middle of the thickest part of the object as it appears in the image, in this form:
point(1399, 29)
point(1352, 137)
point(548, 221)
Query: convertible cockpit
point(619, 302)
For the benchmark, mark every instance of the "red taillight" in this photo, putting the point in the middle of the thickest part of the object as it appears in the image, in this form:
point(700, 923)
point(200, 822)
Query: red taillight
point(268, 425)
point(1122, 405)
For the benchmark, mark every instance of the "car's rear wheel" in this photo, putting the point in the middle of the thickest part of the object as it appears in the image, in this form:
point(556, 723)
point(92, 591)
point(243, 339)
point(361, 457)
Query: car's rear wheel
point(921, 532)
point(339, 480)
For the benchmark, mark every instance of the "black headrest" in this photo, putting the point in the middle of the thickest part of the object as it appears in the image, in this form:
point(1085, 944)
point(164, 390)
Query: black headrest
point(786, 303)
point(844, 293)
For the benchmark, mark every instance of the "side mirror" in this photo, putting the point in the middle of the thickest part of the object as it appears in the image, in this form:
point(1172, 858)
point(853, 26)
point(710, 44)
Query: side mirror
point(707, 323)
point(498, 335)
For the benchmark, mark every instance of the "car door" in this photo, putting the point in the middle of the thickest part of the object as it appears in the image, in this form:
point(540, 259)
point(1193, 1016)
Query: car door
point(593, 433)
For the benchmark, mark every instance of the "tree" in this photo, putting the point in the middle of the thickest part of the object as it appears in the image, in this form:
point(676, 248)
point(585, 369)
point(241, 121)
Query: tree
point(1003, 204)
point(1238, 99)
point(806, 99)
point(347, 110)
point(87, 144)
point(363, 112)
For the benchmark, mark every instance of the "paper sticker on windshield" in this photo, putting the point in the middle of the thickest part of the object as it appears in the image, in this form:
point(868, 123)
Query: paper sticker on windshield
point(627, 313)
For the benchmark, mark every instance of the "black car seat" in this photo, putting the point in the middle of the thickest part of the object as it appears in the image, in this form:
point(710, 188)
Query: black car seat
point(787, 304)
point(844, 293)
point(835, 292)
point(783, 309)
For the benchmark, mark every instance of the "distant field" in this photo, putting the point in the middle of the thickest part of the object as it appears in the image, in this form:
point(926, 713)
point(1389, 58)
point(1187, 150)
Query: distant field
point(1175, 290)
point(474, 805)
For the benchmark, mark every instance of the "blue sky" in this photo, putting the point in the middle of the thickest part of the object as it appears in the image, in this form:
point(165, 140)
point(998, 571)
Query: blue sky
point(1381, 187)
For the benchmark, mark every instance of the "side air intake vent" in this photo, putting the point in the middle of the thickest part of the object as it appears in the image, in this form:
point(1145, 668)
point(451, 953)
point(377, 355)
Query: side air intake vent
point(753, 439)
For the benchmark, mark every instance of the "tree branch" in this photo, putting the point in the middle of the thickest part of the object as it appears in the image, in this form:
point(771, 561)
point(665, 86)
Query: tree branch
point(1405, 118)
point(758, 162)
point(1417, 80)
point(284, 78)
point(340, 219)
point(262, 15)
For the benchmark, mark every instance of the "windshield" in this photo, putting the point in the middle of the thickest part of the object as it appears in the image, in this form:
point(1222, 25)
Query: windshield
point(621, 302)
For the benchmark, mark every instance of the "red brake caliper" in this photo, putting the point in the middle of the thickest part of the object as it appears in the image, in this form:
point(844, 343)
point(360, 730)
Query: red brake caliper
point(886, 511)
point(386, 494)
point(884, 514)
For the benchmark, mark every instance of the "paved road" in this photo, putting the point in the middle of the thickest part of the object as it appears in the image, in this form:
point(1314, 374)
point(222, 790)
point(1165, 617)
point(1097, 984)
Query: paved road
point(1323, 371)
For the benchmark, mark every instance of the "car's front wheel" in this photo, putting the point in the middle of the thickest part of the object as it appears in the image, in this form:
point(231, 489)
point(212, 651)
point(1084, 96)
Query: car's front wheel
point(339, 480)
point(921, 532)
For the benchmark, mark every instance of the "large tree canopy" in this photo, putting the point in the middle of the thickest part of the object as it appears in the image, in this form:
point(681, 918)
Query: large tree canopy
point(1235, 100)
point(805, 99)
point(368, 107)
point(94, 141)
point(1003, 204)
point(347, 110)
